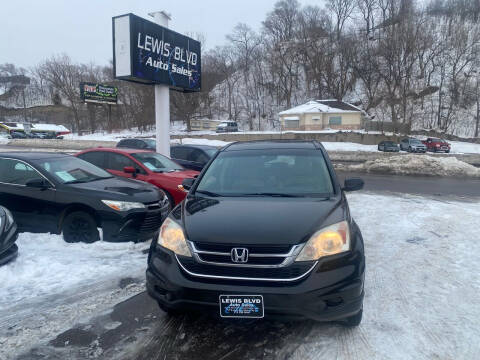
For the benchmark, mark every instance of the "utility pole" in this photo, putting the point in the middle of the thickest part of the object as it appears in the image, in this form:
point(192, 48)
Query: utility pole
point(162, 100)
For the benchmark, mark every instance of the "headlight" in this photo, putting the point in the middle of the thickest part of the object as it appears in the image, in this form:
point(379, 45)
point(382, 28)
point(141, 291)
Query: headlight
point(123, 205)
point(171, 237)
point(333, 239)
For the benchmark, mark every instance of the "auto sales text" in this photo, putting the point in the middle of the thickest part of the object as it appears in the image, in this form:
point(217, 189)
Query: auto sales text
point(165, 49)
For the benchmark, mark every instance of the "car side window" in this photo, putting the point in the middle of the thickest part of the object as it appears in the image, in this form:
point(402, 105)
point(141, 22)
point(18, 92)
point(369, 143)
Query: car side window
point(17, 172)
point(173, 152)
point(198, 156)
point(118, 161)
point(138, 144)
point(96, 158)
point(182, 153)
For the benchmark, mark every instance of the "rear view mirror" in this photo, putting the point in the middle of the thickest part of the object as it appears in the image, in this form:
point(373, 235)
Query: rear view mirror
point(37, 183)
point(353, 184)
point(188, 183)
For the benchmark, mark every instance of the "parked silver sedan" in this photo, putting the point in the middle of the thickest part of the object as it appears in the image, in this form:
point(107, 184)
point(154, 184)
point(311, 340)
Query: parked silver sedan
point(412, 145)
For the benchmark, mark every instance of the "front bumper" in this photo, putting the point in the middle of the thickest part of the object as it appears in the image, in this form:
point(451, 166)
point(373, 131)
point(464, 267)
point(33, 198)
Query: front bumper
point(332, 291)
point(137, 226)
point(419, 150)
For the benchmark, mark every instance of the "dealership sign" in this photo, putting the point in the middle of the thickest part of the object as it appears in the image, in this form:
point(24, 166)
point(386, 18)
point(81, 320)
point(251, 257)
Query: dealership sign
point(98, 93)
point(148, 53)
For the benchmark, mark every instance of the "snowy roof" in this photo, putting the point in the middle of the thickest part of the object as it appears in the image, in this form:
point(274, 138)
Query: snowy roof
point(49, 127)
point(322, 106)
point(37, 127)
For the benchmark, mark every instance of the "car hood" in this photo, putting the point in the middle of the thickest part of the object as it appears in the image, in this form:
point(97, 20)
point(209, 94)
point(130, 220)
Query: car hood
point(120, 189)
point(257, 220)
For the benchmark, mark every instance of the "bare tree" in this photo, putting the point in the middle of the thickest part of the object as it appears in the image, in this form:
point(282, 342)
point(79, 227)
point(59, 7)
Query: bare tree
point(64, 78)
point(342, 11)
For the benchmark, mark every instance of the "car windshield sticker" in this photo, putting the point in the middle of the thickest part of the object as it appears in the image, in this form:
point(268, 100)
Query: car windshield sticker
point(65, 176)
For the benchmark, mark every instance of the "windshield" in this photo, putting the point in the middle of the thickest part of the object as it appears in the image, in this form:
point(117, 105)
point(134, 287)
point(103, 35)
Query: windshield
point(223, 125)
point(390, 143)
point(151, 143)
point(416, 142)
point(156, 162)
point(267, 172)
point(71, 170)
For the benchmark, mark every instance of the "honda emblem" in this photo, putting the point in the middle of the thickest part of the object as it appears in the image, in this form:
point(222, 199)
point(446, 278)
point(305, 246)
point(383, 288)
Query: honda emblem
point(239, 255)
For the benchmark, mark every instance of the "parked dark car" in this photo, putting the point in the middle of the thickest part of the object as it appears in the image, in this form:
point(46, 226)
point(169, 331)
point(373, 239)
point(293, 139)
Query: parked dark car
point(437, 145)
point(18, 135)
point(413, 145)
point(143, 144)
point(193, 157)
point(227, 126)
point(388, 146)
point(59, 193)
point(264, 231)
point(8, 236)
point(39, 135)
point(143, 165)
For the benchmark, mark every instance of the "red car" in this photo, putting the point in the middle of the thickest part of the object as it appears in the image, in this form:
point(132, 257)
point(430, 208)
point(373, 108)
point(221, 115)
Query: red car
point(435, 145)
point(142, 165)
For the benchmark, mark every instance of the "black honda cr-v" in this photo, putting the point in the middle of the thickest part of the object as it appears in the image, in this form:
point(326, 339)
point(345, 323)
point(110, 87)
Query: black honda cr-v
point(265, 230)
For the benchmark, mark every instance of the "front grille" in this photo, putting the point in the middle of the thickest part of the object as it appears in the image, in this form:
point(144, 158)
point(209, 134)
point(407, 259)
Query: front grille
point(152, 221)
point(293, 272)
point(251, 260)
point(261, 249)
point(259, 256)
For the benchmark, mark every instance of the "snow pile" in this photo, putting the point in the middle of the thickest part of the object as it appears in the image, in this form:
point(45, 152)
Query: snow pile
point(348, 146)
point(46, 265)
point(191, 141)
point(418, 165)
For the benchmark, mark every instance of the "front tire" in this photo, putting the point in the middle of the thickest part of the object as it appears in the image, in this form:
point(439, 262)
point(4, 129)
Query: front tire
point(80, 226)
point(354, 320)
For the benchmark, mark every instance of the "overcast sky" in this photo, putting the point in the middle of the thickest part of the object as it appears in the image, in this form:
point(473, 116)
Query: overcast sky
point(33, 30)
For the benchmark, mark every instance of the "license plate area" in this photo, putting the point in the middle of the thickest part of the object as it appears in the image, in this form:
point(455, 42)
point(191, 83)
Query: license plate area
point(241, 306)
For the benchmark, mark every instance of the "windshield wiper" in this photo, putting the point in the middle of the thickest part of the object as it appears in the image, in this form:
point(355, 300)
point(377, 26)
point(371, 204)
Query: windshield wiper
point(208, 193)
point(272, 194)
point(76, 182)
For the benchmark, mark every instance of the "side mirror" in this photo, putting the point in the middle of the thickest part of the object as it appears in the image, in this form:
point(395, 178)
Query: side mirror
point(188, 183)
point(129, 170)
point(38, 184)
point(353, 184)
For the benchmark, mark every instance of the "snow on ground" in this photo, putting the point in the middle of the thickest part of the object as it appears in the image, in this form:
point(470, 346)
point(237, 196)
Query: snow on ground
point(67, 282)
point(417, 165)
point(461, 147)
point(420, 282)
point(47, 265)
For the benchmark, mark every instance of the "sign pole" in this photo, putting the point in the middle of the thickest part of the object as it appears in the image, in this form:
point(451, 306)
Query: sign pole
point(162, 100)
